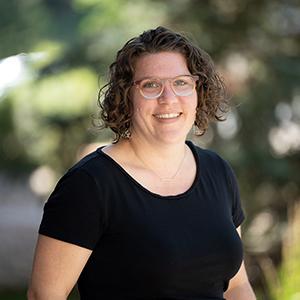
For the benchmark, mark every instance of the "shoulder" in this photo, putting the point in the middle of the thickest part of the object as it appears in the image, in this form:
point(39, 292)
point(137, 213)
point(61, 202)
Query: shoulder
point(87, 172)
point(91, 165)
point(213, 164)
point(208, 157)
point(80, 184)
point(75, 212)
point(88, 162)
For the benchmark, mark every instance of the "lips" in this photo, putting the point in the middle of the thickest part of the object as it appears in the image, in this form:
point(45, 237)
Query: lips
point(167, 116)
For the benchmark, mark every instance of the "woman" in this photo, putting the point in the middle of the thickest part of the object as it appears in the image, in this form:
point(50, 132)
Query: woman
point(150, 216)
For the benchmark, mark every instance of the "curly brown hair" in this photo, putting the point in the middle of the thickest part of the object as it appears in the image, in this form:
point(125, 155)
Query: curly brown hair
point(116, 105)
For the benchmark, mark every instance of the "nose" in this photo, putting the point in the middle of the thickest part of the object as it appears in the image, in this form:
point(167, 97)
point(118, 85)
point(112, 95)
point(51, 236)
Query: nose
point(167, 95)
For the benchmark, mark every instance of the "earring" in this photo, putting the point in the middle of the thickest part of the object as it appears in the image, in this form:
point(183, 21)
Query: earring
point(196, 130)
point(127, 134)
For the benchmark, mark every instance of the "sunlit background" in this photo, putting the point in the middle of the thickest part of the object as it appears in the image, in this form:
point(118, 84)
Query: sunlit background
point(54, 55)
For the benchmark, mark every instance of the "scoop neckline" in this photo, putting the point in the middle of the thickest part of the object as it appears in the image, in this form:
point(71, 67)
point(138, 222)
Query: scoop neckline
point(153, 194)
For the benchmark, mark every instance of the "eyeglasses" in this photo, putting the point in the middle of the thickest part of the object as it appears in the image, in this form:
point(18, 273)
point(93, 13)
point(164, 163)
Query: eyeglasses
point(152, 88)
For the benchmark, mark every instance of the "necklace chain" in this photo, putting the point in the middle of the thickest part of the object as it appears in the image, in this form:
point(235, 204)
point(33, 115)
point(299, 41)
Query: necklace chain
point(165, 179)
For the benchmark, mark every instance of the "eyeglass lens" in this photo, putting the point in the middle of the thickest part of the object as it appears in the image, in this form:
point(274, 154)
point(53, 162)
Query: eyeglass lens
point(182, 86)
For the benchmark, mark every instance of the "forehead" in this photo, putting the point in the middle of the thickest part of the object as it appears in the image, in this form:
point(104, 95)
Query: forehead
point(161, 64)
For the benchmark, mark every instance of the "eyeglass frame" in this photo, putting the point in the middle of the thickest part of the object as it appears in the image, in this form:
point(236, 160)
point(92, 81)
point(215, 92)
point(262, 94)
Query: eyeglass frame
point(137, 83)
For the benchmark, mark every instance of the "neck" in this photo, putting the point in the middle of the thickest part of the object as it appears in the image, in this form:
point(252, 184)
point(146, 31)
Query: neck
point(164, 161)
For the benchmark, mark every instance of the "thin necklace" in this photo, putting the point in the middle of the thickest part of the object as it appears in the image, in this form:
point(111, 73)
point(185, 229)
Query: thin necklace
point(164, 179)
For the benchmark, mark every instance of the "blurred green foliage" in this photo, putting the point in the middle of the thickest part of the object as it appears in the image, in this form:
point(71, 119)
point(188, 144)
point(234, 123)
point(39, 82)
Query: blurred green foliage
point(51, 115)
point(68, 45)
point(287, 285)
point(290, 277)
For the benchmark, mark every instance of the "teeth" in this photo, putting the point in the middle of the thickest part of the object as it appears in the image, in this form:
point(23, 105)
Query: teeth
point(167, 116)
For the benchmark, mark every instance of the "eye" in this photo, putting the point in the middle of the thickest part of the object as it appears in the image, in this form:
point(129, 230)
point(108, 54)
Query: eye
point(180, 82)
point(150, 84)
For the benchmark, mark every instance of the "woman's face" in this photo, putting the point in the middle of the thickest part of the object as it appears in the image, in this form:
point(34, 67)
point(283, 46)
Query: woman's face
point(169, 118)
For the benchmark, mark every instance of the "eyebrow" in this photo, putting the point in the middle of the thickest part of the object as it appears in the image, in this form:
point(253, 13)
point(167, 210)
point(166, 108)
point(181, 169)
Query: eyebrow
point(157, 77)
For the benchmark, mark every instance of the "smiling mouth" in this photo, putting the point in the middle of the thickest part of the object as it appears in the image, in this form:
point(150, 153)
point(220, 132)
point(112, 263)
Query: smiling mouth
point(167, 116)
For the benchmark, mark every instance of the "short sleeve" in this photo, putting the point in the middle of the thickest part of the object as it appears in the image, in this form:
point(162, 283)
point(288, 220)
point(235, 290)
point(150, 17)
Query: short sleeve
point(73, 212)
point(238, 215)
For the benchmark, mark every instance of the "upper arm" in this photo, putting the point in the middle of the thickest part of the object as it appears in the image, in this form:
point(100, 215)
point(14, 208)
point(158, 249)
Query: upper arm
point(56, 268)
point(71, 226)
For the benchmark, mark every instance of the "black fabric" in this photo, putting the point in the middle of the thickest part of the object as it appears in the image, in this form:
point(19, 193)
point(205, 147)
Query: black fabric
point(147, 246)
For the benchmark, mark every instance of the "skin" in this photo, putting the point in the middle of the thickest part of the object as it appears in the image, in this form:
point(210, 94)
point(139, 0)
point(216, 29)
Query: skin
point(56, 268)
point(156, 149)
point(146, 128)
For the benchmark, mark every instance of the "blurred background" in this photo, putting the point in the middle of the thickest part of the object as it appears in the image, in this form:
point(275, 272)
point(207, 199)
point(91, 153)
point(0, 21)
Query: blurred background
point(54, 56)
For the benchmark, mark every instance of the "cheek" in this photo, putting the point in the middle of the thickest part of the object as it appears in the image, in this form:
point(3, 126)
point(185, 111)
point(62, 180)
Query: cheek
point(134, 97)
point(140, 106)
point(191, 103)
point(139, 111)
point(195, 103)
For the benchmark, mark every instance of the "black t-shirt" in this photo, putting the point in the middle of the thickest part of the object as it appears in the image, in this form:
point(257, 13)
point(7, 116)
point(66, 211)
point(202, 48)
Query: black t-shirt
point(148, 246)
